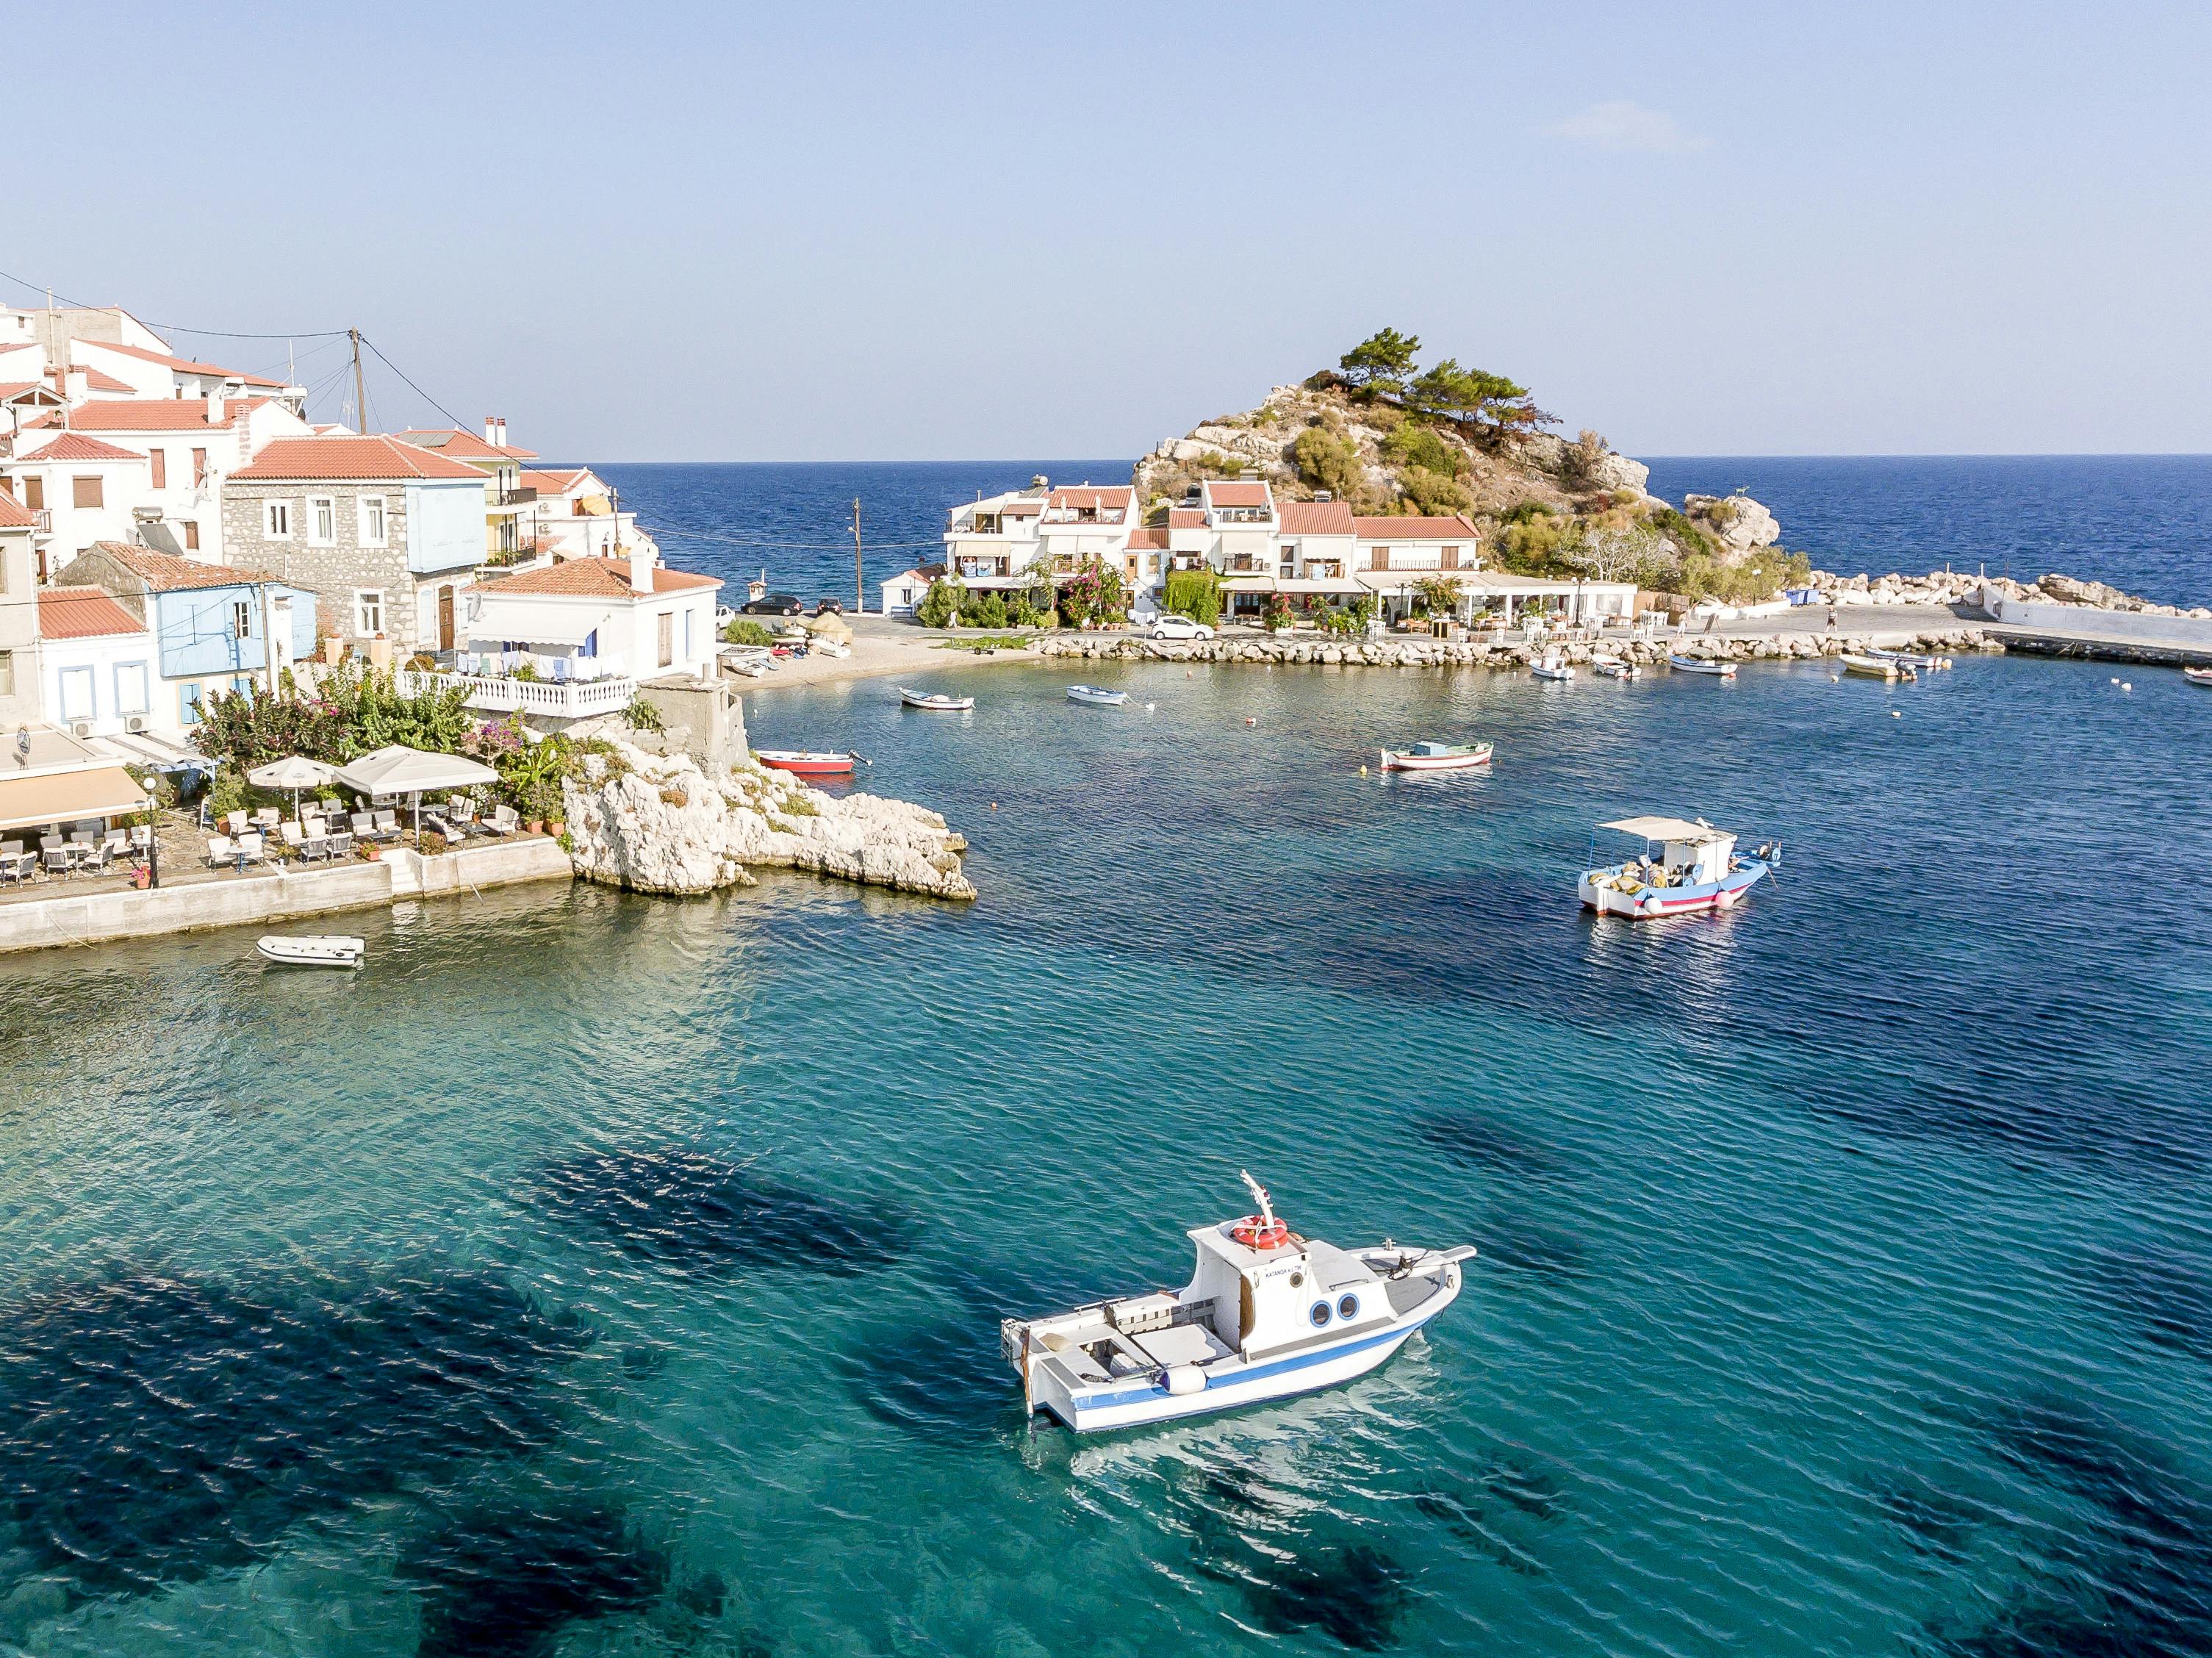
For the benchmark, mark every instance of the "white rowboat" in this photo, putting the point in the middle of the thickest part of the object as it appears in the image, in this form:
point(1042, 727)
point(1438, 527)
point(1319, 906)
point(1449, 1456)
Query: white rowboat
point(935, 701)
point(1097, 695)
point(325, 949)
point(1702, 665)
point(1877, 667)
point(1437, 756)
point(2198, 676)
point(1611, 669)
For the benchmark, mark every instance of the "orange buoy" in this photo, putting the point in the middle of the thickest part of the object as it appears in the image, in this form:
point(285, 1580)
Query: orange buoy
point(1255, 1233)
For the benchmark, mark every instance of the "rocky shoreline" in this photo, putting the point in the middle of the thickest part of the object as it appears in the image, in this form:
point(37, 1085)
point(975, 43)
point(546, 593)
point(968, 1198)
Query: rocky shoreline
point(1423, 653)
point(653, 823)
point(1951, 587)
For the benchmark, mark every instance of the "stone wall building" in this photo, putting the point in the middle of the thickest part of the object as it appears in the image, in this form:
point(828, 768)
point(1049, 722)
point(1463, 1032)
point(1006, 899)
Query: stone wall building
point(386, 534)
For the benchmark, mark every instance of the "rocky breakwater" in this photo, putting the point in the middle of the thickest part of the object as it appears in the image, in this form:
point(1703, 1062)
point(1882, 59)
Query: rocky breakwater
point(1956, 587)
point(1421, 651)
point(658, 823)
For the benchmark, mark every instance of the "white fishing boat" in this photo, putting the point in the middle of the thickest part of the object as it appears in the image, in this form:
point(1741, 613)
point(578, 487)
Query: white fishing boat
point(1553, 665)
point(935, 701)
point(1437, 756)
point(1876, 667)
point(1612, 668)
point(1267, 1314)
point(312, 949)
point(1696, 870)
point(1703, 665)
point(2198, 676)
point(1923, 661)
point(1098, 696)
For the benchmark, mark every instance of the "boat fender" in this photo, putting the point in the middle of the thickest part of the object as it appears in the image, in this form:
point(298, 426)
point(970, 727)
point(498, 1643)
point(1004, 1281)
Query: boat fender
point(1724, 899)
point(1649, 903)
point(1183, 1380)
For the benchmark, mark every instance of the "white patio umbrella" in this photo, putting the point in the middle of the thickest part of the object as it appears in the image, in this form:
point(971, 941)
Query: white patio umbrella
point(399, 770)
point(295, 772)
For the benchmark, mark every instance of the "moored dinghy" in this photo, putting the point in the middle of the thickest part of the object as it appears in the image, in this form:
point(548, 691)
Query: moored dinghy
point(1698, 870)
point(312, 949)
point(1553, 665)
point(1266, 1314)
point(2198, 676)
point(806, 762)
point(1611, 667)
point(935, 701)
point(1876, 667)
point(1703, 665)
point(1437, 756)
point(1097, 695)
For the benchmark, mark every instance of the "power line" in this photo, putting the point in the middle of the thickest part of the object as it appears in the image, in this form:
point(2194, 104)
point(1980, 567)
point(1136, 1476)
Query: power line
point(177, 327)
point(411, 386)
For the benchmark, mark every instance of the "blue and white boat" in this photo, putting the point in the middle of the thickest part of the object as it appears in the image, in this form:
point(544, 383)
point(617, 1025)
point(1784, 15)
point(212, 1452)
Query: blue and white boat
point(1097, 694)
point(1696, 870)
point(1704, 664)
point(1267, 1314)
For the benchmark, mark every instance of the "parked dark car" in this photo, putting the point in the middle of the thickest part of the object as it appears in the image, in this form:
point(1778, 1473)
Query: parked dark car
point(772, 604)
point(830, 607)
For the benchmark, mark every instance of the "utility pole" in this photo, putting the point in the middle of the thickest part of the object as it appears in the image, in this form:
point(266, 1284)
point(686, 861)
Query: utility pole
point(360, 396)
point(860, 587)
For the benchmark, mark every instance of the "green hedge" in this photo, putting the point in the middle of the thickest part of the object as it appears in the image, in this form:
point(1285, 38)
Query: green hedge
point(1194, 593)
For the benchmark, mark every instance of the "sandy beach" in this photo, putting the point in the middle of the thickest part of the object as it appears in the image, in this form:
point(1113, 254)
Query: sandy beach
point(881, 645)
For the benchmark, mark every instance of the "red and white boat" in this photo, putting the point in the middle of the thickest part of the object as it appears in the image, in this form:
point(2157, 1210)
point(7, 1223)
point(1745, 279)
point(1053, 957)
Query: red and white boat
point(806, 762)
point(1437, 756)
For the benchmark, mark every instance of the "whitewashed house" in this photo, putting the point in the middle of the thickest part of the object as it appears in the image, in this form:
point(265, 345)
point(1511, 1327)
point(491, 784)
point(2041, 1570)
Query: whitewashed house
point(590, 618)
point(98, 666)
point(573, 512)
point(85, 486)
point(906, 590)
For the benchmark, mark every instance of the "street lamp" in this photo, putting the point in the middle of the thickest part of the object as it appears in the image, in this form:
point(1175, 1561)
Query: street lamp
point(152, 836)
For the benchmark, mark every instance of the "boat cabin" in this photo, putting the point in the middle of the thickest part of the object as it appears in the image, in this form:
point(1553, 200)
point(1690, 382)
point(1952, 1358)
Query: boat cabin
point(1695, 853)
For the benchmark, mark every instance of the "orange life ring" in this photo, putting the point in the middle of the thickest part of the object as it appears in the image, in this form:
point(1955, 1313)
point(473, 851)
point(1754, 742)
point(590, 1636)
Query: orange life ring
point(1255, 1233)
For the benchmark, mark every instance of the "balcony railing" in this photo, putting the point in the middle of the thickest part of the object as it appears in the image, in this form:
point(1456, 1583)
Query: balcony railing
point(46, 518)
point(521, 497)
point(575, 699)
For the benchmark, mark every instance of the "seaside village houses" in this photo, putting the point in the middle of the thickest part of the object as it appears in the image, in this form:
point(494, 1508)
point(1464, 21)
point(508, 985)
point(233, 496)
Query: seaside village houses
point(171, 531)
point(1314, 552)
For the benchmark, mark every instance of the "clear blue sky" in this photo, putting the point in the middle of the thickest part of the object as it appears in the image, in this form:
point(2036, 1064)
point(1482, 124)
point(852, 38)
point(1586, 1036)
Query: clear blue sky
point(963, 231)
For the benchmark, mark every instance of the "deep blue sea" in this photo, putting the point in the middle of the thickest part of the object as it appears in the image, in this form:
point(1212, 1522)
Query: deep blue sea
point(598, 1274)
point(2142, 522)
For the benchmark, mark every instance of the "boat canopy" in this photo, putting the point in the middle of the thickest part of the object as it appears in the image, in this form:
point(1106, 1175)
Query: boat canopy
point(1669, 828)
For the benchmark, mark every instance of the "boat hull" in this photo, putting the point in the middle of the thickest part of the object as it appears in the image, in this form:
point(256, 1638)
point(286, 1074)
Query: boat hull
point(806, 765)
point(1136, 1402)
point(936, 702)
point(1097, 698)
point(1649, 903)
point(2198, 676)
point(1561, 674)
point(328, 951)
point(1395, 760)
point(1698, 664)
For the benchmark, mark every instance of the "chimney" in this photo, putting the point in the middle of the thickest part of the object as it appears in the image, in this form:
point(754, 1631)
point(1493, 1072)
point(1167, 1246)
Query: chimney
point(503, 431)
point(491, 428)
point(77, 386)
point(215, 408)
point(640, 569)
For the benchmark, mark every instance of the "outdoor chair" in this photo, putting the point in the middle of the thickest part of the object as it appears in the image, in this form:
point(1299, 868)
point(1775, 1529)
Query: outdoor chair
point(339, 846)
point(265, 818)
point(237, 823)
point(504, 819)
point(141, 836)
point(252, 849)
point(115, 841)
point(13, 867)
point(57, 860)
point(221, 851)
point(92, 861)
point(363, 825)
point(387, 826)
point(294, 837)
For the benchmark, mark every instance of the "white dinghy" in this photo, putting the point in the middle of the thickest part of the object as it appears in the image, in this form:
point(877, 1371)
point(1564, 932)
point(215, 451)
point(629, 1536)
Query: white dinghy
point(935, 701)
point(314, 949)
point(1097, 696)
point(1267, 1314)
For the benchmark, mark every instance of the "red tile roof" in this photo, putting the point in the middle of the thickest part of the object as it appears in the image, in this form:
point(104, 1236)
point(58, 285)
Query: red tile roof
point(181, 365)
point(74, 446)
point(1111, 495)
point(1315, 518)
point(1021, 509)
point(1141, 539)
point(95, 379)
point(13, 515)
point(12, 390)
point(558, 483)
point(1186, 517)
point(464, 445)
point(592, 577)
point(1415, 529)
point(1237, 495)
point(82, 613)
point(370, 459)
point(151, 415)
point(166, 572)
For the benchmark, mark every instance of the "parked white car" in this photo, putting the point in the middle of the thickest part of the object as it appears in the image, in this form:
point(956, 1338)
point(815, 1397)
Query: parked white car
point(1180, 627)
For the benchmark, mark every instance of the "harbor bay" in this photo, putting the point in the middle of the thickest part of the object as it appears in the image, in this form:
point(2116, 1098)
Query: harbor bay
point(1842, 1272)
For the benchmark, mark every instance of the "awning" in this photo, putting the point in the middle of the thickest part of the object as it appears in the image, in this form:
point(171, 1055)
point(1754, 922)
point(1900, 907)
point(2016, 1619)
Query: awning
point(399, 770)
point(1669, 829)
point(145, 749)
point(66, 796)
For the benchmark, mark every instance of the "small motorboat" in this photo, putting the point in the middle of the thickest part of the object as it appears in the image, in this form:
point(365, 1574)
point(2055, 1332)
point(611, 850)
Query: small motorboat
point(1267, 1314)
point(1698, 870)
point(1703, 665)
point(1613, 668)
point(1923, 661)
point(1437, 756)
point(1098, 696)
point(1876, 667)
point(2198, 676)
point(312, 949)
point(935, 701)
point(806, 762)
point(1553, 665)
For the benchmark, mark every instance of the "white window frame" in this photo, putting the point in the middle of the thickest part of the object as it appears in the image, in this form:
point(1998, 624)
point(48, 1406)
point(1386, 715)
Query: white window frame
point(318, 506)
point(130, 698)
point(368, 611)
point(275, 520)
point(75, 675)
point(372, 508)
point(241, 618)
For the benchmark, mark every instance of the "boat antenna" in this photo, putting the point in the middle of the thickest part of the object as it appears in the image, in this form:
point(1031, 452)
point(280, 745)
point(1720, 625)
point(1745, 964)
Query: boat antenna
point(1260, 1195)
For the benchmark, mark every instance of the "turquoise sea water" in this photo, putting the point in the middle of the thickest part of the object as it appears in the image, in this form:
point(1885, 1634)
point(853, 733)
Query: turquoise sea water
point(603, 1274)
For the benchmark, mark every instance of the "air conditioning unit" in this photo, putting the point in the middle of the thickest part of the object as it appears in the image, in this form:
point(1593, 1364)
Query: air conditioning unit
point(136, 722)
point(80, 728)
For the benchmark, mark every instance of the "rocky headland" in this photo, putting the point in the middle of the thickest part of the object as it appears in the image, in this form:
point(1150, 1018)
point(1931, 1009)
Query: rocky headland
point(659, 822)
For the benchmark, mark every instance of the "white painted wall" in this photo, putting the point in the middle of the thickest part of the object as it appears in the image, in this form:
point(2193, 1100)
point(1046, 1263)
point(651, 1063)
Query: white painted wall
point(445, 525)
point(629, 629)
point(105, 680)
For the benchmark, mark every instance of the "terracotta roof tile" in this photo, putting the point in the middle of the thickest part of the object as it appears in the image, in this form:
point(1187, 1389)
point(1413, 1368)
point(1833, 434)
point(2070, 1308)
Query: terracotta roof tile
point(74, 446)
point(1107, 496)
point(13, 515)
point(593, 577)
point(1415, 529)
point(10, 390)
point(557, 483)
point(182, 365)
point(1142, 539)
point(1186, 517)
point(95, 379)
point(370, 459)
point(82, 613)
point(1238, 494)
point(1315, 518)
point(465, 446)
point(150, 415)
point(166, 573)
